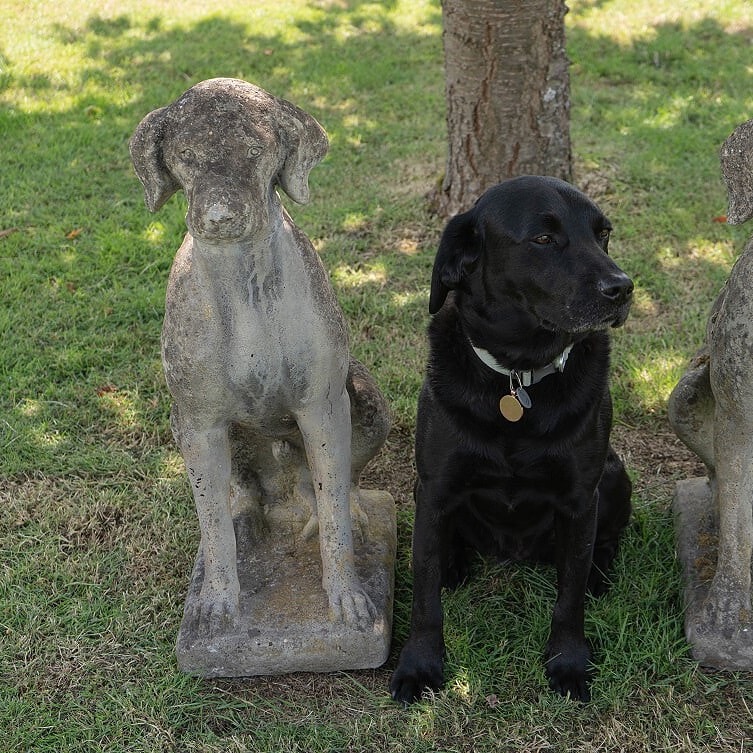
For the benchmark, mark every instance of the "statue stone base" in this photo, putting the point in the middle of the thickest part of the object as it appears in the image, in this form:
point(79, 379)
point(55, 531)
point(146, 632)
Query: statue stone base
point(284, 622)
point(719, 640)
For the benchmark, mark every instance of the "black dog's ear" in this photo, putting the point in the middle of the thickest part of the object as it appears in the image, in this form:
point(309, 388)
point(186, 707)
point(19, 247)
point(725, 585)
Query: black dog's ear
point(146, 154)
point(459, 250)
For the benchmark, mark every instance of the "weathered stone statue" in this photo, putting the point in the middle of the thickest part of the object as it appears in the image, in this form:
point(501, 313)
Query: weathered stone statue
point(711, 410)
point(274, 420)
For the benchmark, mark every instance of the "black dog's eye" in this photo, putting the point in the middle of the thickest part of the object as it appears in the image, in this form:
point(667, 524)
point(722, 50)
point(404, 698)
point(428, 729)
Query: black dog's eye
point(543, 240)
point(603, 234)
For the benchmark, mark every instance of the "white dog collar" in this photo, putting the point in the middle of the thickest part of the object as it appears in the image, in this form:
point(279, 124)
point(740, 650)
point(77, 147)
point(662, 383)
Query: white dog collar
point(529, 377)
point(512, 406)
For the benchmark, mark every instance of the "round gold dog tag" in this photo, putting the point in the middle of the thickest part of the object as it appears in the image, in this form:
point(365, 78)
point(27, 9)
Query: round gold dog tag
point(510, 408)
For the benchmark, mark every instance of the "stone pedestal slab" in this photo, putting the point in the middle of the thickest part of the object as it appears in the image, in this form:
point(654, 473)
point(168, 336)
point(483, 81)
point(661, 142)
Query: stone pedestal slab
point(715, 640)
point(284, 626)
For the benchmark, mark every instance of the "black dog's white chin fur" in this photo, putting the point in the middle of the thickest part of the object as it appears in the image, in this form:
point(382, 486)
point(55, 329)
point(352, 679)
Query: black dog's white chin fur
point(576, 329)
point(572, 328)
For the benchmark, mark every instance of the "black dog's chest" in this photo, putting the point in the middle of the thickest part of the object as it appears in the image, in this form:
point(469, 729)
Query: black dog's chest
point(511, 480)
point(508, 515)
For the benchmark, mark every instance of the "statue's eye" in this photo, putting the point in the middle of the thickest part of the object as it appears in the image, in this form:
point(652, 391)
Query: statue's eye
point(254, 151)
point(187, 155)
point(543, 240)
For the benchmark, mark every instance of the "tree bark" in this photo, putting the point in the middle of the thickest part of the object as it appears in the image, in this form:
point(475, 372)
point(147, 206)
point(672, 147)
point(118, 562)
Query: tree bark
point(507, 90)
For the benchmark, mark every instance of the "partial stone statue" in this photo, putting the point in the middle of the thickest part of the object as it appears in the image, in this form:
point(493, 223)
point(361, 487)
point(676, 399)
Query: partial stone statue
point(711, 410)
point(274, 420)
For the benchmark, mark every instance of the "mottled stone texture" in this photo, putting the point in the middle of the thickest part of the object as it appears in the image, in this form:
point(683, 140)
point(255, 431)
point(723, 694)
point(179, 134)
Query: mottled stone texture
point(711, 410)
point(283, 608)
point(274, 419)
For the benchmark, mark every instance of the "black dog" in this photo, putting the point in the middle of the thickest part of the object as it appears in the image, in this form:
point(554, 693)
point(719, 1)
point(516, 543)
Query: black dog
point(512, 437)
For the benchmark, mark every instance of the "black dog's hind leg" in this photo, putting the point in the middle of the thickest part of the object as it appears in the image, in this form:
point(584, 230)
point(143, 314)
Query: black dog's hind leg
point(421, 663)
point(615, 490)
point(568, 655)
point(456, 567)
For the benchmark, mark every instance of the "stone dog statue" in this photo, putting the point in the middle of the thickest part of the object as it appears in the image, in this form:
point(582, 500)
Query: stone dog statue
point(711, 410)
point(274, 420)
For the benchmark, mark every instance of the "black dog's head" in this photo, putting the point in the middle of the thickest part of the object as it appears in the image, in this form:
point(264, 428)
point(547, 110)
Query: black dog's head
point(534, 247)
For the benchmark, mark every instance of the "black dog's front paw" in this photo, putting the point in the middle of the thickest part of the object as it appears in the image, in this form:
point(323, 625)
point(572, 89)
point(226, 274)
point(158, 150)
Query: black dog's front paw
point(569, 672)
point(419, 668)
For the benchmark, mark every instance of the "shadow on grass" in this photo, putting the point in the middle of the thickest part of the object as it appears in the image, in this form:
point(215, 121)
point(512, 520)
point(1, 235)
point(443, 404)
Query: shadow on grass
point(90, 303)
point(660, 106)
point(651, 117)
point(88, 263)
point(84, 275)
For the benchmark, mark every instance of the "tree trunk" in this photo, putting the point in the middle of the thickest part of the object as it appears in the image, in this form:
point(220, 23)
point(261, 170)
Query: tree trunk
point(508, 95)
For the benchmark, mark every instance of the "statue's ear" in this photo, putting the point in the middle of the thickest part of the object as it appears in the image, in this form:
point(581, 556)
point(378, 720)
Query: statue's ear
point(146, 154)
point(305, 143)
point(459, 250)
point(736, 156)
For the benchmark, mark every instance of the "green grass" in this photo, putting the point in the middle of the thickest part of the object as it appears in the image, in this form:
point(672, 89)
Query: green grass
point(97, 527)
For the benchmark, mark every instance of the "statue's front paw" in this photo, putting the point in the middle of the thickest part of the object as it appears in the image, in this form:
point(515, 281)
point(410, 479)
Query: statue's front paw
point(726, 611)
point(216, 612)
point(352, 606)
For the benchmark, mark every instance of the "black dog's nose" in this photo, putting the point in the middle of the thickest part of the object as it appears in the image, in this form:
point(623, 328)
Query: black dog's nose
point(618, 287)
